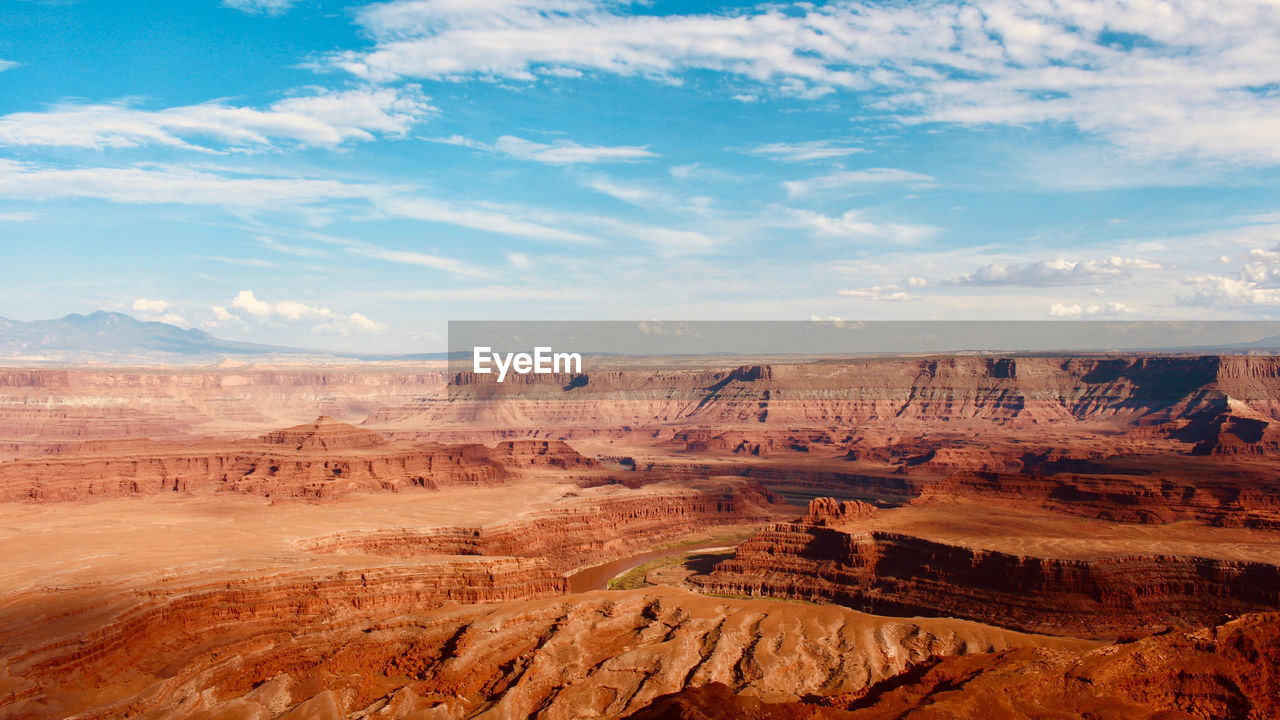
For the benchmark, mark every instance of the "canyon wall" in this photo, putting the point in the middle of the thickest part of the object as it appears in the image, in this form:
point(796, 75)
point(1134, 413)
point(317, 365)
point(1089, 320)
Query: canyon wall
point(1022, 391)
point(321, 459)
point(827, 557)
point(576, 532)
point(1224, 404)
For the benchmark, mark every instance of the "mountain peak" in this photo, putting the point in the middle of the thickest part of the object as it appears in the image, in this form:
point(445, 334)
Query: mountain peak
point(108, 335)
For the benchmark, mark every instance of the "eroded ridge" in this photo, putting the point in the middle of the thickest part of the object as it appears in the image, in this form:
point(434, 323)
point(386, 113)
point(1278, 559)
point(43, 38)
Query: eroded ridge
point(848, 554)
point(600, 654)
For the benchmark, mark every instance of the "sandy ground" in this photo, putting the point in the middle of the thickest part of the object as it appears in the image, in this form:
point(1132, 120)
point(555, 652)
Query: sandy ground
point(62, 545)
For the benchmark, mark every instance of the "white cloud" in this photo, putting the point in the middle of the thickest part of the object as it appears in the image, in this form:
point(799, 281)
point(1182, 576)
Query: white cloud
point(1161, 78)
point(366, 324)
point(1258, 283)
point(1055, 272)
point(1077, 311)
point(260, 7)
point(557, 152)
point(323, 119)
point(1236, 292)
point(851, 178)
point(150, 306)
point(879, 293)
point(248, 302)
point(221, 316)
point(7, 65)
point(17, 217)
point(520, 260)
point(155, 311)
point(626, 193)
point(804, 151)
point(916, 282)
point(293, 311)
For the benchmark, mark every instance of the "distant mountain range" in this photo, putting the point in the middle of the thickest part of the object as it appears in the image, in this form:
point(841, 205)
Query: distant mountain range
point(119, 339)
point(116, 338)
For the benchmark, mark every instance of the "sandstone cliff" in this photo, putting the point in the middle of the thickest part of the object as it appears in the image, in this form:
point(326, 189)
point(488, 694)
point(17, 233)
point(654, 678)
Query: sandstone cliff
point(827, 557)
point(321, 459)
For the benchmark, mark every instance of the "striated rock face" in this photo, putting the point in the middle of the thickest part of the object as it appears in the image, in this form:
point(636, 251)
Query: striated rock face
point(1214, 494)
point(140, 655)
point(575, 533)
point(1218, 673)
point(896, 573)
point(827, 511)
point(867, 392)
point(596, 655)
point(541, 454)
point(321, 459)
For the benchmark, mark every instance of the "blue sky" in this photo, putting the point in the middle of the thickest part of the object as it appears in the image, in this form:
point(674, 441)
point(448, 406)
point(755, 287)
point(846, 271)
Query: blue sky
point(353, 176)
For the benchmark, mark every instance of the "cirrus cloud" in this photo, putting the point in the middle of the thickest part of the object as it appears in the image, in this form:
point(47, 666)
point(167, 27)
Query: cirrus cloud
point(1167, 78)
point(321, 119)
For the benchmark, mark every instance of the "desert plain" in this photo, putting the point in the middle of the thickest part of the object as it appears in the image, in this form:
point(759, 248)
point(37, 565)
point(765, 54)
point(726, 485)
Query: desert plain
point(865, 537)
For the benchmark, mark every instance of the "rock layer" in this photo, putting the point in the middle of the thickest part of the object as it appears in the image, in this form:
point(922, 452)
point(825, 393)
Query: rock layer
point(1217, 673)
point(597, 655)
point(321, 459)
point(827, 557)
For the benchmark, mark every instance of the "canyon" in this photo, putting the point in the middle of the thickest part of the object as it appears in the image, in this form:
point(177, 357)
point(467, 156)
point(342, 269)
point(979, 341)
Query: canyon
point(911, 536)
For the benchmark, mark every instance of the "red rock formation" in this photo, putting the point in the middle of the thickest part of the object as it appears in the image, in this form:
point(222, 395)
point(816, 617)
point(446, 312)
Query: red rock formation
point(242, 652)
point(187, 634)
point(321, 459)
point(1226, 672)
point(826, 511)
point(1205, 491)
point(541, 454)
point(899, 574)
point(579, 532)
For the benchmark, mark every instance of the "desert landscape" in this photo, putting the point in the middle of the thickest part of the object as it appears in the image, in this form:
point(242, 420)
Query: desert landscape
point(862, 537)
point(640, 359)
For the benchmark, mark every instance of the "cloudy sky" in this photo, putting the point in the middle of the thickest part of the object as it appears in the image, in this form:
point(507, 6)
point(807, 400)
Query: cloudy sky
point(352, 176)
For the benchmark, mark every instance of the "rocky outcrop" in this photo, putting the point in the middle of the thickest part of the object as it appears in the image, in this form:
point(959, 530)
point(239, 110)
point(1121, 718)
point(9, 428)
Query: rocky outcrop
point(596, 655)
point(828, 511)
point(888, 572)
point(575, 533)
point(541, 454)
point(197, 633)
point(1219, 673)
point(322, 459)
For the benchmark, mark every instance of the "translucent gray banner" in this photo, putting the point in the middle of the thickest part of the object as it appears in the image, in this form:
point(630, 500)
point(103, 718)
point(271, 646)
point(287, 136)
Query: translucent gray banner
point(494, 359)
